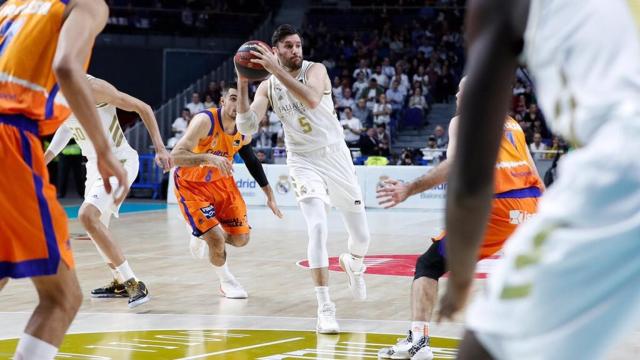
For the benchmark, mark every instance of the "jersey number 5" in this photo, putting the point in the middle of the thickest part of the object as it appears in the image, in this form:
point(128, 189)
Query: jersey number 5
point(305, 124)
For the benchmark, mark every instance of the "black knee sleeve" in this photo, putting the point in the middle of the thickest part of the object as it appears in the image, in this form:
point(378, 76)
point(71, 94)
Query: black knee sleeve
point(431, 264)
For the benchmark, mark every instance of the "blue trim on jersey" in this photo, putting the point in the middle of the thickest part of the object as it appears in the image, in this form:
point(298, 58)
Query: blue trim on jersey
point(65, 2)
point(213, 124)
point(48, 109)
point(35, 267)
point(531, 192)
point(192, 222)
point(219, 112)
point(21, 122)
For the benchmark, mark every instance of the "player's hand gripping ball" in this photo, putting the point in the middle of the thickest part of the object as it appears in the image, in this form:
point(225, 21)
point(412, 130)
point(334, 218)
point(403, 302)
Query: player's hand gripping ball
point(250, 70)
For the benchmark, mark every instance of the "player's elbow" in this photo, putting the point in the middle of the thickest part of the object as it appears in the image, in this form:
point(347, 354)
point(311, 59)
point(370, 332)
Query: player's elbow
point(64, 68)
point(314, 103)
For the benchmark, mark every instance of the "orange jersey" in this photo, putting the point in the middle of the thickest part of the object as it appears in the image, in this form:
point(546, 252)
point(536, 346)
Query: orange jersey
point(513, 169)
point(218, 143)
point(29, 31)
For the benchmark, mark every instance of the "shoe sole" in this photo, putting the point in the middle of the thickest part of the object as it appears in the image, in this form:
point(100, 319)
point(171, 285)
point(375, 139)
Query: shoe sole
point(328, 332)
point(353, 292)
point(139, 302)
point(110, 296)
point(232, 297)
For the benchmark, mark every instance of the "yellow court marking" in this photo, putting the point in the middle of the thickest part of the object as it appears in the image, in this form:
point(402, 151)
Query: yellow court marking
point(228, 344)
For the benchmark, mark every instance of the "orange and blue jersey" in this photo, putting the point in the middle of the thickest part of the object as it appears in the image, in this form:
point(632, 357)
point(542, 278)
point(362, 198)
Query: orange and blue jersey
point(516, 191)
point(514, 171)
point(217, 142)
point(35, 239)
point(29, 32)
point(207, 198)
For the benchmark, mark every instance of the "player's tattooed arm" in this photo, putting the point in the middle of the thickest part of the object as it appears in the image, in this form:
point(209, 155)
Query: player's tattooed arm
point(183, 155)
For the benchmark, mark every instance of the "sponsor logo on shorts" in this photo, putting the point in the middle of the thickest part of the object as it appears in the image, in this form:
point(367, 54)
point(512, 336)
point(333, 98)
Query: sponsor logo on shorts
point(234, 222)
point(357, 202)
point(209, 211)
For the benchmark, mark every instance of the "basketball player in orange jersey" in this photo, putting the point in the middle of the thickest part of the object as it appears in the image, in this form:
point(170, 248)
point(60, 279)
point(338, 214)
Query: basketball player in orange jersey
point(517, 189)
point(206, 190)
point(45, 47)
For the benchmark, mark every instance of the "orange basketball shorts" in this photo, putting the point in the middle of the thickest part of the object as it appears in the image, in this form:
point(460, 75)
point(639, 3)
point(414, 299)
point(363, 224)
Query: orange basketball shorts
point(33, 225)
point(205, 205)
point(509, 210)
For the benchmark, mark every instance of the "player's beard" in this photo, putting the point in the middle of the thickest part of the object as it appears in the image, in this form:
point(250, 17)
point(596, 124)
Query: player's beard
point(293, 64)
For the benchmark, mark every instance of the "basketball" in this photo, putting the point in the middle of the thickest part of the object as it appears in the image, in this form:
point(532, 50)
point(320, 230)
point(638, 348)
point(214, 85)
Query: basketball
point(242, 59)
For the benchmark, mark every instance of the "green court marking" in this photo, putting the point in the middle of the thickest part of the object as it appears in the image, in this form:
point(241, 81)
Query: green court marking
point(228, 344)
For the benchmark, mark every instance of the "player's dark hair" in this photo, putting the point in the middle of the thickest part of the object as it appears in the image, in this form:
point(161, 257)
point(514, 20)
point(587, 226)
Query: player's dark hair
point(230, 85)
point(282, 32)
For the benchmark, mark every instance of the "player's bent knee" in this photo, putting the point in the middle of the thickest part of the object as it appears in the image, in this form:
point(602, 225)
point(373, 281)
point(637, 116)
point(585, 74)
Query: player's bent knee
point(239, 240)
point(431, 264)
point(89, 217)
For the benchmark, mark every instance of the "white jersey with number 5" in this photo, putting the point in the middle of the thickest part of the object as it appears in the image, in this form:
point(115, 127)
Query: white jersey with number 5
point(111, 127)
point(305, 129)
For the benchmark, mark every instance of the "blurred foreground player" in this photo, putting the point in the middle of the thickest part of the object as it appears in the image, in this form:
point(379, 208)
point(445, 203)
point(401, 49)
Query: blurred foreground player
point(42, 42)
point(569, 284)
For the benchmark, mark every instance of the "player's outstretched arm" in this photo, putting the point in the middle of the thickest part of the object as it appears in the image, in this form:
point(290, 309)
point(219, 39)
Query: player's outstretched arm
point(257, 173)
point(394, 192)
point(60, 140)
point(309, 94)
point(249, 115)
point(84, 19)
point(183, 155)
point(104, 92)
point(495, 40)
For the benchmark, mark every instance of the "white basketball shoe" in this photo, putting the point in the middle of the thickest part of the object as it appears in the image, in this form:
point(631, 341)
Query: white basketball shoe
point(231, 289)
point(327, 323)
point(355, 277)
point(398, 351)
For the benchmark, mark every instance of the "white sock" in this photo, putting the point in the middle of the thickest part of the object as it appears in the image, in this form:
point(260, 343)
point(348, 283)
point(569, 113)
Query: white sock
point(223, 272)
point(418, 330)
point(356, 263)
point(30, 347)
point(116, 274)
point(125, 271)
point(322, 294)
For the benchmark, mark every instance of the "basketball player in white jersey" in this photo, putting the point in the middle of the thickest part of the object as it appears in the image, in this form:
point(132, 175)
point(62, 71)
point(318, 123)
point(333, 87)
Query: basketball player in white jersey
point(98, 206)
point(569, 285)
point(320, 165)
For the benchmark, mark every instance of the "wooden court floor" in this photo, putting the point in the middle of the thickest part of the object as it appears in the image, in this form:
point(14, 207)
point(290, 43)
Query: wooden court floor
point(185, 296)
